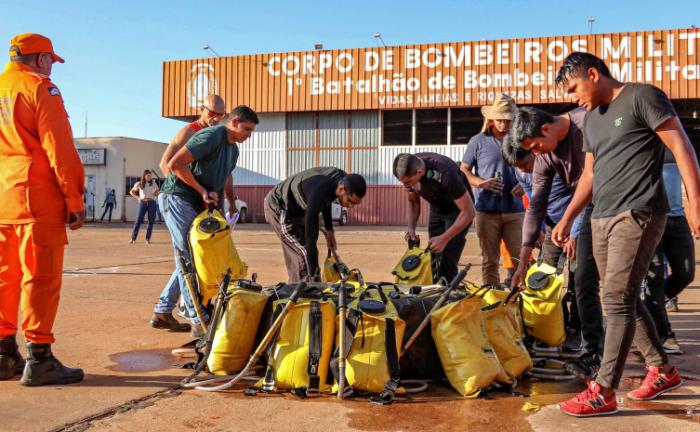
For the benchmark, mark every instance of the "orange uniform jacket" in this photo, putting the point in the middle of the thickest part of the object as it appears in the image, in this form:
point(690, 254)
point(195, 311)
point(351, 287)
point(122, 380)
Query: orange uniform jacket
point(41, 175)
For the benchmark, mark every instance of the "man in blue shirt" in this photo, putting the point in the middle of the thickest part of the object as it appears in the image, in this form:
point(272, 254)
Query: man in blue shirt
point(499, 207)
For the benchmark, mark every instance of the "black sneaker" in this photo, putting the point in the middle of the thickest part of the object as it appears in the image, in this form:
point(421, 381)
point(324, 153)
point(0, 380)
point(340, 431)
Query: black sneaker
point(574, 342)
point(585, 367)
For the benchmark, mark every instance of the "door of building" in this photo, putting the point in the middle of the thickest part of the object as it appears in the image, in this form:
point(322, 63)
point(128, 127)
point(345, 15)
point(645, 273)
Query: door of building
point(90, 197)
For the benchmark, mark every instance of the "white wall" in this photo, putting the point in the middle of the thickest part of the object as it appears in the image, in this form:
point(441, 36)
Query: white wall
point(263, 158)
point(106, 176)
point(124, 157)
point(388, 153)
point(139, 155)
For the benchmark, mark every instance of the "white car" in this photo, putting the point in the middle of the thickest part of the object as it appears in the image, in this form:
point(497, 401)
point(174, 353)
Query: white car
point(339, 213)
point(242, 208)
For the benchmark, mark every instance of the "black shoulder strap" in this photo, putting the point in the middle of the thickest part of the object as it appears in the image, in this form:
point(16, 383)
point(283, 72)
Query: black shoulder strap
point(315, 339)
point(392, 361)
point(561, 264)
point(392, 355)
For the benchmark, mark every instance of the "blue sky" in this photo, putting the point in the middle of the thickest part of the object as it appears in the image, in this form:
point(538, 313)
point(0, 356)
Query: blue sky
point(114, 49)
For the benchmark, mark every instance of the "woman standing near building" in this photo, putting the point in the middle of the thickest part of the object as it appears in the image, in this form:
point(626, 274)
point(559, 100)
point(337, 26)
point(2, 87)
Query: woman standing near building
point(109, 205)
point(145, 191)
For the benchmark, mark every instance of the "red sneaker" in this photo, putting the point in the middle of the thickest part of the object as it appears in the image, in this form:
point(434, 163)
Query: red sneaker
point(590, 403)
point(656, 383)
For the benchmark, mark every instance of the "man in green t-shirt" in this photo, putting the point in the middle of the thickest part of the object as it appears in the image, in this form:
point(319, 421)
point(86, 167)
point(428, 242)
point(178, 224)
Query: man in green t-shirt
point(199, 171)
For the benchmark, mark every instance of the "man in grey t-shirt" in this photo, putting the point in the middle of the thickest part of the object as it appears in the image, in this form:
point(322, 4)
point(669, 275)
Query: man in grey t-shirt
point(624, 133)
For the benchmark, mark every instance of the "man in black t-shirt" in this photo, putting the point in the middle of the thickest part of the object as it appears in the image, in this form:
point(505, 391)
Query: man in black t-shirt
point(438, 180)
point(293, 206)
point(625, 131)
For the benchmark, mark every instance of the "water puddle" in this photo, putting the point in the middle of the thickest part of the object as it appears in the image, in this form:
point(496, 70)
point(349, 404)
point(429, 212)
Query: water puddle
point(141, 361)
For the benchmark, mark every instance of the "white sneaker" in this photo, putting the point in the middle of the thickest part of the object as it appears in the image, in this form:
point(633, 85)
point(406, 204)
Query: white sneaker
point(181, 310)
point(671, 346)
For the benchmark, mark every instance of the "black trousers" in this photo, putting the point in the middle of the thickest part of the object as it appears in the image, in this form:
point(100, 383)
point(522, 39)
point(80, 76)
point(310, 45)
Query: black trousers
point(587, 288)
point(678, 248)
point(445, 264)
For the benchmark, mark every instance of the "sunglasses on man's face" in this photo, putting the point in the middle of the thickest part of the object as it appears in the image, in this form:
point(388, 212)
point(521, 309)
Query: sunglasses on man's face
point(214, 114)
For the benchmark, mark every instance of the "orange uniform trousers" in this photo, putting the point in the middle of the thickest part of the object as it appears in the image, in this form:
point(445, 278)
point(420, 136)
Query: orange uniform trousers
point(31, 266)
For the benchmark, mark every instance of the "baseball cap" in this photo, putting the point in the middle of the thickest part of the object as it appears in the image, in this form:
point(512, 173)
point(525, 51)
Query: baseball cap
point(32, 43)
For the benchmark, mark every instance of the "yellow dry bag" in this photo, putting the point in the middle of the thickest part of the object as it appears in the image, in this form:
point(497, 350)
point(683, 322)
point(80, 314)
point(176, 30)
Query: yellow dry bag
point(512, 306)
point(213, 252)
point(235, 334)
point(300, 355)
point(330, 273)
point(374, 334)
point(505, 339)
point(414, 267)
point(467, 357)
point(543, 313)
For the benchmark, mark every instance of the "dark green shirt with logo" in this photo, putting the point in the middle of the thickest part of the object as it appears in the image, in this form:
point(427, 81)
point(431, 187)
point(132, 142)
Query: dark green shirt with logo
point(628, 153)
point(214, 160)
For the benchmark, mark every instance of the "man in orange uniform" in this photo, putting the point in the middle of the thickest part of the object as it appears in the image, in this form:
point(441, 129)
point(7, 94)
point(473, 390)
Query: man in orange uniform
point(41, 188)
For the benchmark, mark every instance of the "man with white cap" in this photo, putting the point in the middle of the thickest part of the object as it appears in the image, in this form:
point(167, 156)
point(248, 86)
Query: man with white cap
point(499, 207)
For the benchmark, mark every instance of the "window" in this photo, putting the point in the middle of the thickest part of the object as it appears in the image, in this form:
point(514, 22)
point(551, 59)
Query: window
point(397, 128)
point(466, 122)
point(431, 127)
point(130, 182)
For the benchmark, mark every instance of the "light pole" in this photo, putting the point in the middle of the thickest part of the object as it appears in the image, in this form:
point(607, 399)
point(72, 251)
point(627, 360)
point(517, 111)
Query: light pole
point(206, 47)
point(378, 36)
point(591, 20)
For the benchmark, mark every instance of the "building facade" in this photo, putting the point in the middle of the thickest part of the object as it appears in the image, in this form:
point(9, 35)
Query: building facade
point(115, 163)
point(358, 108)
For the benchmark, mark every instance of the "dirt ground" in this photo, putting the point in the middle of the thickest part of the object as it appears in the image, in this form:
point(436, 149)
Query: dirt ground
point(110, 288)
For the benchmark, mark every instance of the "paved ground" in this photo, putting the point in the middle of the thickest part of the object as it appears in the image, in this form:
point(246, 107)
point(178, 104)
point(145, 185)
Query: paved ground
point(109, 291)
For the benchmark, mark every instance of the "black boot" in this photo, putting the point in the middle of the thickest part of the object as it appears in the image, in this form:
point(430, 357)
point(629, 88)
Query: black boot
point(44, 369)
point(11, 361)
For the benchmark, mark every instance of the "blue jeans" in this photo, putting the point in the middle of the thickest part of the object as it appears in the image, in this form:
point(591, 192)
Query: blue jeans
point(109, 208)
point(150, 207)
point(178, 215)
